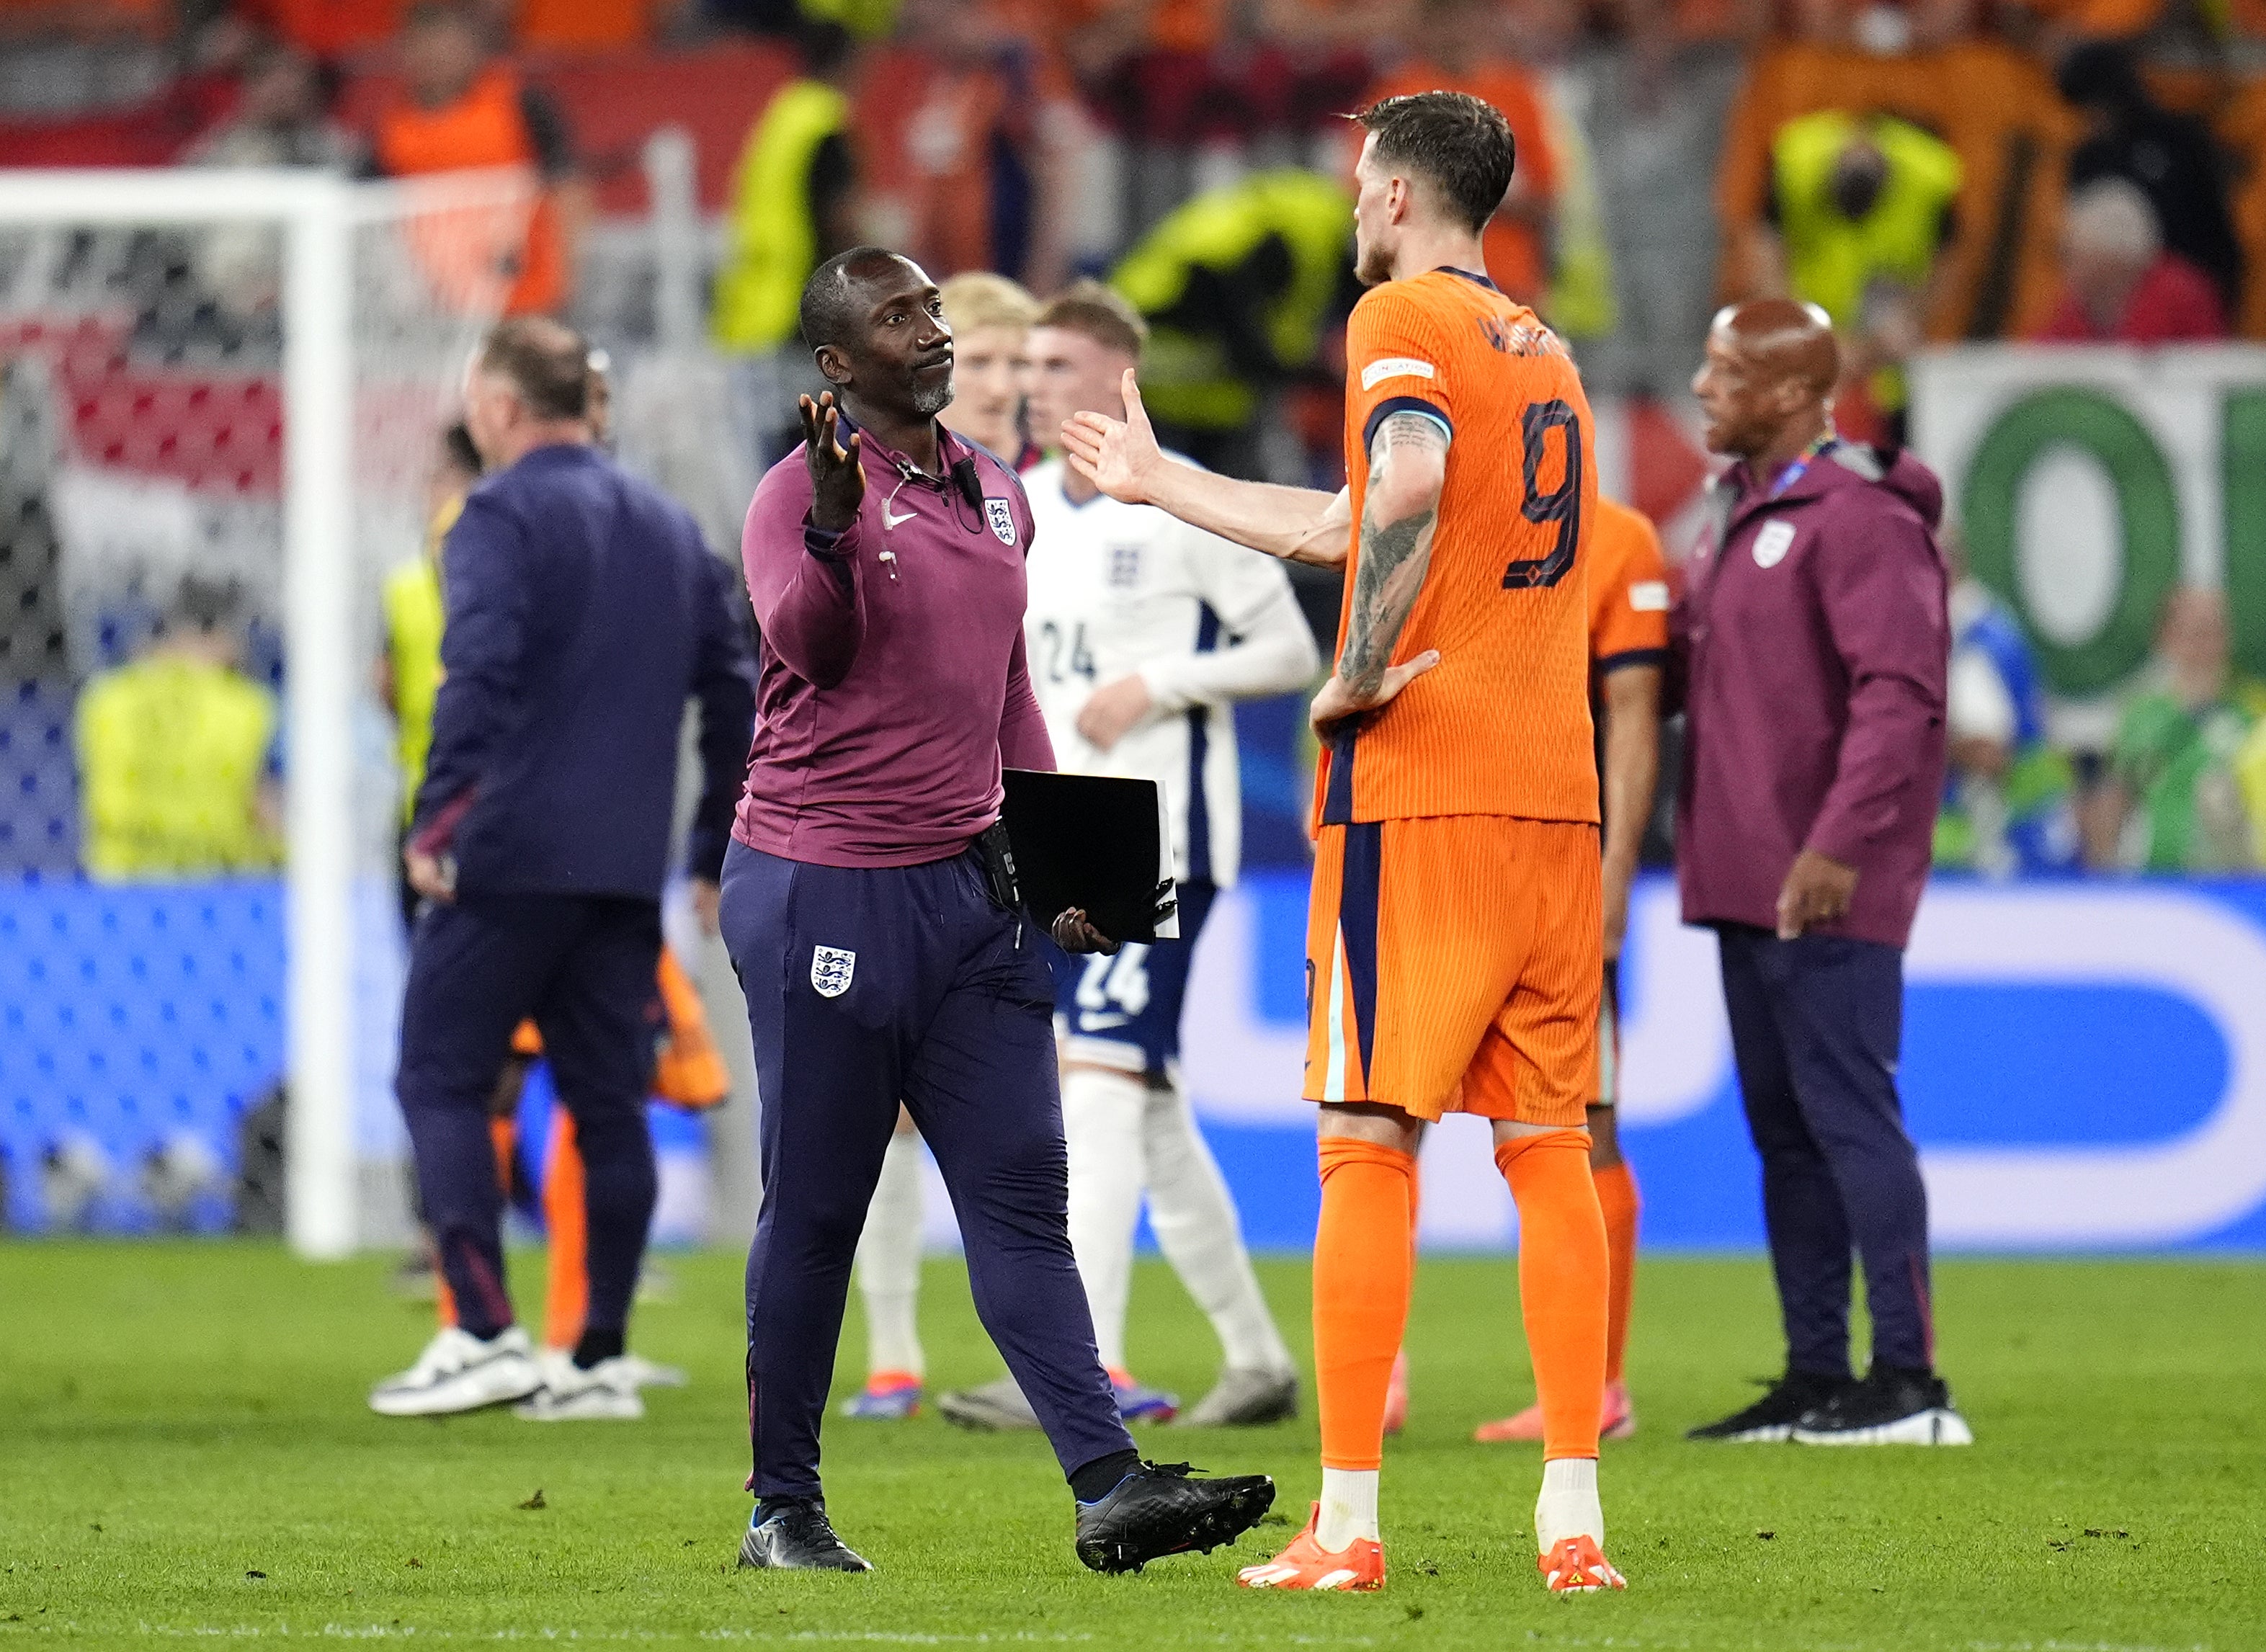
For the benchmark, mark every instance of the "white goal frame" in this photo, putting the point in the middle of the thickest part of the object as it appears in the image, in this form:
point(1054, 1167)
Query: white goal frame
point(318, 214)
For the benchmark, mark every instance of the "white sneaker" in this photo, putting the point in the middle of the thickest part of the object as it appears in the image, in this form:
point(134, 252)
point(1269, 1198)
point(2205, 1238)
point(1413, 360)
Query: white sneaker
point(646, 1374)
point(459, 1372)
point(606, 1393)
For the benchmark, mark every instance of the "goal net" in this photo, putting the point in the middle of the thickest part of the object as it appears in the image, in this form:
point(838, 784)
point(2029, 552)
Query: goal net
point(222, 395)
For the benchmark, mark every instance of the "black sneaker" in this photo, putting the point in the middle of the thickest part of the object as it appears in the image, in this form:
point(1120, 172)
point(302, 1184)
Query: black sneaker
point(1891, 1406)
point(1159, 1510)
point(792, 1534)
point(1770, 1418)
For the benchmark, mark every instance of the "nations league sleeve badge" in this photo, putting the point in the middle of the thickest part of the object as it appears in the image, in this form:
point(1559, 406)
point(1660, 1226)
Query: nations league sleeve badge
point(831, 970)
point(1003, 519)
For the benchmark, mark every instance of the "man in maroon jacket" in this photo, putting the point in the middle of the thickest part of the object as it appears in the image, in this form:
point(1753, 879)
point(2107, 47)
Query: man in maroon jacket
point(875, 926)
point(1816, 645)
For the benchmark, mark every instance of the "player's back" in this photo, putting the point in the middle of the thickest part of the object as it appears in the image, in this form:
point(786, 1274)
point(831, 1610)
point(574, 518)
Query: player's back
point(1627, 583)
point(1501, 724)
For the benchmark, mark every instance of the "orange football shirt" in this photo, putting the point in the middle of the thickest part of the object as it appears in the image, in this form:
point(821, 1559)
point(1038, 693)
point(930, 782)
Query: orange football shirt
point(1628, 589)
point(1501, 724)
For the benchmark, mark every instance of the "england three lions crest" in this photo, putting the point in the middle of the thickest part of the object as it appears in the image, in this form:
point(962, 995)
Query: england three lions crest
point(1003, 519)
point(831, 970)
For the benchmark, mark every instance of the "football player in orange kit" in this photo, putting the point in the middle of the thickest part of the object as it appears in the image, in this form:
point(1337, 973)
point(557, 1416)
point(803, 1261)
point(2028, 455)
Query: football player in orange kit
point(1454, 944)
point(1629, 646)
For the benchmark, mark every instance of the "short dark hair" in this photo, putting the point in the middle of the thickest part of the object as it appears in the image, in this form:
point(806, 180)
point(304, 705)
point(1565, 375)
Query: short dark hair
point(456, 442)
point(1461, 143)
point(202, 602)
point(1101, 313)
point(546, 361)
point(827, 315)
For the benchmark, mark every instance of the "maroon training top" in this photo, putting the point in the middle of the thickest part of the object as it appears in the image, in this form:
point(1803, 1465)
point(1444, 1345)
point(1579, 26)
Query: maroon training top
point(1817, 648)
point(892, 682)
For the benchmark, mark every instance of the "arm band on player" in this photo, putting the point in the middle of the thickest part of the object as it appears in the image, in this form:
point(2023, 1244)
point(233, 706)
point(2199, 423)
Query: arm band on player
point(1393, 404)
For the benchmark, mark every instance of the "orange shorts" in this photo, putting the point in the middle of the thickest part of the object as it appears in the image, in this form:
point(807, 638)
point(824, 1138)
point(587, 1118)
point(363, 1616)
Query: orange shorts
point(1453, 966)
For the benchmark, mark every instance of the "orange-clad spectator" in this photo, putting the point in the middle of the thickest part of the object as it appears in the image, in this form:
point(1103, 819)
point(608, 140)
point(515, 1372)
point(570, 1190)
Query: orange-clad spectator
point(330, 29)
point(2121, 286)
point(83, 19)
point(1459, 48)
point(591, 25)
point(2097, 20)
point(461, 106)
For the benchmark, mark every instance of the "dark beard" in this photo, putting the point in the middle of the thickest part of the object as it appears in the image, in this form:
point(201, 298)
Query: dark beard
point(929, 403)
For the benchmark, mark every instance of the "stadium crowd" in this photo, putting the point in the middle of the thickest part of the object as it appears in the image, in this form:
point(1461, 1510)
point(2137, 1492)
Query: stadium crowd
point(2060, 171)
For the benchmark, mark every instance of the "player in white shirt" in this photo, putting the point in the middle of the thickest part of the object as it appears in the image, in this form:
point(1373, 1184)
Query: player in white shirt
point(990, 319)
point(1143, 632)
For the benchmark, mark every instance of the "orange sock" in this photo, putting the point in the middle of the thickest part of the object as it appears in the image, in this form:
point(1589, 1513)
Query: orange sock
point(1564, 1277)
point(1617, 1198)
point(1361, 1266)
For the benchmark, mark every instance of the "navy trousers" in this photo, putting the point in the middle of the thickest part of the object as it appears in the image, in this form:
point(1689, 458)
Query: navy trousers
point(1816, 1026)
point(866, 985)
point(583, 967)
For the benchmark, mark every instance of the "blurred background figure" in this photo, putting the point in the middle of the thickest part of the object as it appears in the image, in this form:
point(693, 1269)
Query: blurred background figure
point(990, 318)
point(282, 117)
point(2009, 796)
point(2171, 157)
point(178, 761)
point(461, 105)
point(409, 675)
point(2172, 800)
point(792, 207)
point(1861, 207)
point(2120, 284)
point(1237, 288)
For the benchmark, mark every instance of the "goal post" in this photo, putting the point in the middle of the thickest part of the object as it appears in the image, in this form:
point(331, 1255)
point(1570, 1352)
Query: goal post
point(360, 302)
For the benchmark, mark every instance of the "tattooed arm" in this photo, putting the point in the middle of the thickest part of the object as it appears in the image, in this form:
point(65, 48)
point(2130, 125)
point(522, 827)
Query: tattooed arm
point(1407, 468)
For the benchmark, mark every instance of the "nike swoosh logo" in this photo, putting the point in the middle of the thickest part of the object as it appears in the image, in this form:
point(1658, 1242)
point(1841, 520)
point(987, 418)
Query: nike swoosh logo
point(888, 521)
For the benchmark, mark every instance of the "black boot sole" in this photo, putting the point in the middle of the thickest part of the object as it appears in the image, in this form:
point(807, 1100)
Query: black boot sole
point(1225, 1520)
point(754, 1559)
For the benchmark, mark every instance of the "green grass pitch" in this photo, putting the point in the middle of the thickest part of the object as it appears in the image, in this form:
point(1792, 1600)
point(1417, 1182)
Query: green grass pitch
point(185, 1454)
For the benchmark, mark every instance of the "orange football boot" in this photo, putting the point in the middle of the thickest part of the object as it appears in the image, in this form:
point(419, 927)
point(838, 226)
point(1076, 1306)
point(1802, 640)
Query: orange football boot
point(1578, 1566)
point(1616, 1421)
point(1305, 1564)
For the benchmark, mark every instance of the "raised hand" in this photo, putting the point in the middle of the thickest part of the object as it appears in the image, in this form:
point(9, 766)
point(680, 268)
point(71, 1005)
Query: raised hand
point(1337, 701)
point(1116, 456)
point(838, 480)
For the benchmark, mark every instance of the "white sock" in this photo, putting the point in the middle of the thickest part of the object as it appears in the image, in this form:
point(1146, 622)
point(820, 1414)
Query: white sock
point(1201, 1236)
point(888, 1261)
point(1101, 1124)
point(1569, 1505)
point(1349, 1509)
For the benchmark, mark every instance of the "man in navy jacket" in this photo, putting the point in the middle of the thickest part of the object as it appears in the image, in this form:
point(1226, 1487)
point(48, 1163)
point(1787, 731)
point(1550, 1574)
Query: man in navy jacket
point(583, 611)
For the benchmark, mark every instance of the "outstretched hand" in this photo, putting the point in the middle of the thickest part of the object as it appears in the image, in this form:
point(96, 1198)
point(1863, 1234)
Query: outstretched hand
point(838, 480)
point(1339, 700)
point(1118, 456)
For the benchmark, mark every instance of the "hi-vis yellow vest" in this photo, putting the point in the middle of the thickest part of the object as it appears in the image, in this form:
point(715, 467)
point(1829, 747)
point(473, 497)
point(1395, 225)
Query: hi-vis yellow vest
point(1830, 261)
point(414, 618)
point(171, 753)
point(774, 244)
point(867, 19)
point(1186, 379)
